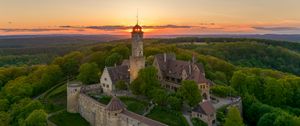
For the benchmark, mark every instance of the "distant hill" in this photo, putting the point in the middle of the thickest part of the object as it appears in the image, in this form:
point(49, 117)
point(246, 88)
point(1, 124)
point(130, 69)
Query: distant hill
point(287, 37)
point(41, 49)
point(106, 37)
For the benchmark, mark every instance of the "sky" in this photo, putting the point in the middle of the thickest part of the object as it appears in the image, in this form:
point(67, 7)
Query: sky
point(161, 17)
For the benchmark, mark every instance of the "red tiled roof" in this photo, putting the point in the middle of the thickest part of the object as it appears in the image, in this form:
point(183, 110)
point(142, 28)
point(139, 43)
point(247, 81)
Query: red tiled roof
point(205, 107)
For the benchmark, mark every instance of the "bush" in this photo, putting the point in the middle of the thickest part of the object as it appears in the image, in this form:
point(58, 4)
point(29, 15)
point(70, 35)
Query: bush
point(223, 91)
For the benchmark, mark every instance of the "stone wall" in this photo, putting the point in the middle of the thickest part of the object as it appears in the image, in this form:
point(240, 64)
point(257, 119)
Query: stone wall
point(91, 110)
point(95, 113)
point(94, 88)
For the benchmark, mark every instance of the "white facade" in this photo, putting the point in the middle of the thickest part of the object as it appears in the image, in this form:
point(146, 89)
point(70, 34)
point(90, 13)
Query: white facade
point(106, 82)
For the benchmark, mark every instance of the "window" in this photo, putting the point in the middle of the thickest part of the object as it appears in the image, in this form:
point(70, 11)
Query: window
point(107, 86)
point(105, 79)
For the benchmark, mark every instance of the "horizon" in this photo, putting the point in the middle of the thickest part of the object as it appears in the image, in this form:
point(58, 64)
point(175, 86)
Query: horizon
point(157, 17)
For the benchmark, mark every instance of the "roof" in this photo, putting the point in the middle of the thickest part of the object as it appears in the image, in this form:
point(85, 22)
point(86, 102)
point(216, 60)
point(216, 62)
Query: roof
point(205, 108)
point(115, 104)
point(117, 73)
point(171, 67)
point(137, 28)
point(143, 119)
point(125, 63)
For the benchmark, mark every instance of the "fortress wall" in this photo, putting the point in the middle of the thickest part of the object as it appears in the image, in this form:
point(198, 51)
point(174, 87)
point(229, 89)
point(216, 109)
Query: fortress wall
point(128, 121)
point(91, 110)
point(95, 88)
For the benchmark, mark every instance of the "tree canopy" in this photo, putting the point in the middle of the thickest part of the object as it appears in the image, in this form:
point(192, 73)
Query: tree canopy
point(88, 73)
point(233, 117)
point(190, 93)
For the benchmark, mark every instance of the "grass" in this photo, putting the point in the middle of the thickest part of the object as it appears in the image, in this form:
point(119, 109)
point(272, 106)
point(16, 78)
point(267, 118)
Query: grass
point(56, 99)
point(68, 119)
point(56, 91)
point(134, 105)
point(104, 99)
point(169, 117)
point(198, 122)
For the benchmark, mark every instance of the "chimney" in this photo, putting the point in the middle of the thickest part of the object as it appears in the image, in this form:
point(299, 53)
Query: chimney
point(165, 57)
point(193, 59)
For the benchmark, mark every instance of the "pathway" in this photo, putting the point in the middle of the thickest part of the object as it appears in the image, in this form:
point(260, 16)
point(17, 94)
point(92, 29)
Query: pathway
point(222, 102)
point(50, 123)
point(188, 119)
point(225, 101)
point(149, 109)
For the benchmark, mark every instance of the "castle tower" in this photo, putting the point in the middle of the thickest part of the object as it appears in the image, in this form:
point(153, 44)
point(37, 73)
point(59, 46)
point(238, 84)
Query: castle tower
point(73, 90)
point(137, 60)
point(113, 109)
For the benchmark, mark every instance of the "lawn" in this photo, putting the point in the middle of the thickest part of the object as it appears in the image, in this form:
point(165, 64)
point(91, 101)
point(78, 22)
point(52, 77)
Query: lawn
point(198, 122)
point(68, 119)
point(56, 99)
point(104, 99)
point(169, 117)
point(134, 105)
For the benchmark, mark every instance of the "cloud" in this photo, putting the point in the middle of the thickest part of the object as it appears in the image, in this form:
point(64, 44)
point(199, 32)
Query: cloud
point(101, 28)
point(122, 27)
point(168, 26)
point(30, 30)
point(273, 28)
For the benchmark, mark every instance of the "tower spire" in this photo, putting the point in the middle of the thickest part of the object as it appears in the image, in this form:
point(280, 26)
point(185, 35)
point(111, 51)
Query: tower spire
point(137, 16)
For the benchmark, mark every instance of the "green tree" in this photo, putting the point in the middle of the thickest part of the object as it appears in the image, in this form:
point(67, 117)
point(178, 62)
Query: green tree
point(114, 58)
point(50, 75)
point(69, 63)
point(121, 85)
point(223, 91)
point(88, 73)
point(20, 87)
point(159, 96)
point(4, 118)
point(97, 57)
point(233, 118)
point(275, 94)
point(135, 86)
point(174, 102)
point(267, 119)
point(237, 82)
point(190, 93)
point(145, 82)
point(4, 104)
point(37, 118)
point(121, 49)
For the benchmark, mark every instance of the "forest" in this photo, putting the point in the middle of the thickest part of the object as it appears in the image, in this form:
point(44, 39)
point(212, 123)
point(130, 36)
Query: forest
point(265, 73)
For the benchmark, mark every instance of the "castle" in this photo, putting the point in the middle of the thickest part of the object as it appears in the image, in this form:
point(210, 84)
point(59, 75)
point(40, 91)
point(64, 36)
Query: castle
point(170, 73)
point(98, 114)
